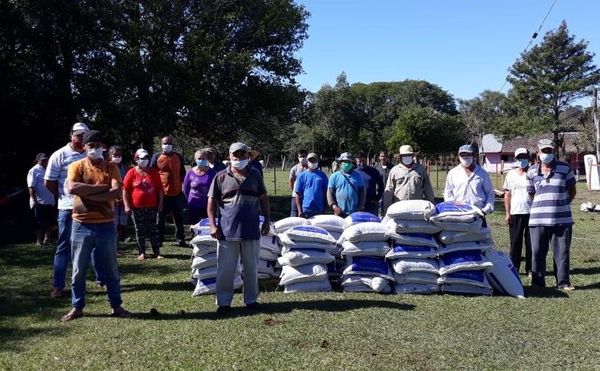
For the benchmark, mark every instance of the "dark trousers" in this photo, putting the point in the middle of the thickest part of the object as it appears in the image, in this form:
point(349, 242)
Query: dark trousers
point(519, 233)
point(144, 220)
point(171, 205)
point(559, 236)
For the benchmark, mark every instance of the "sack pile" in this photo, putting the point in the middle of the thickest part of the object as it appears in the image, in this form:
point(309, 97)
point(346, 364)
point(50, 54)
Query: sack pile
point(306, 251)
point(268, 268)
point(335, 226)
point(364, 245)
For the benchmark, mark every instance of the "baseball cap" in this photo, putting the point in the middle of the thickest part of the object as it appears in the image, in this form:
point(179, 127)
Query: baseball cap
point(545, 143)
point(406, 150)
point(41, 156)
point(312, 155)
point(239, 146)
point(79, 128)
point(346, 156)
point(521, 151)
point(466, 148)
point(141, 153)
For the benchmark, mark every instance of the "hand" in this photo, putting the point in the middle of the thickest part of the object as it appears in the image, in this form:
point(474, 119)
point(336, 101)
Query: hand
point(216, 233)
point(300, 214)
point(336, 210)
point(127, 211)
point(265, 228)
point(507, 219)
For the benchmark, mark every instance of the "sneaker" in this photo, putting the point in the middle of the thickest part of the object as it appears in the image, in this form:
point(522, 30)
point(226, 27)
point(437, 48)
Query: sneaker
point(224, 309)
point(253, 306)
point(120, 312)
point(566, 287)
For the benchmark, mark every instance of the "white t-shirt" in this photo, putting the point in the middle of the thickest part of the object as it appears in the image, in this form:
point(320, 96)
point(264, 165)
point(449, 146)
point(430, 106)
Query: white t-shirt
point(520, 202)
point(35, 180)
point(57, 171)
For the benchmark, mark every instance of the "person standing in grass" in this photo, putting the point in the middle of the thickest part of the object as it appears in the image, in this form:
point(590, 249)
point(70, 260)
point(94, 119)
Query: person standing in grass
point(94, 183)
point(517, 204)
point(115, 154)
point(345, 188)
point(373, 183)
point(143, 199)
point(237, 194)
point(407, 181)
point(196, 184)
point(310, 189)
point(41, 200)
point(552, 185)
point(294, 172)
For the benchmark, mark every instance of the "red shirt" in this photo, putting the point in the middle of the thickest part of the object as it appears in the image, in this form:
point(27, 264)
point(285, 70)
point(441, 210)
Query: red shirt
point(144, 188)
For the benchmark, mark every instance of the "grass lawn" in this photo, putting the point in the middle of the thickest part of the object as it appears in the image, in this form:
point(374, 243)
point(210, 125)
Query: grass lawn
point(547, 330)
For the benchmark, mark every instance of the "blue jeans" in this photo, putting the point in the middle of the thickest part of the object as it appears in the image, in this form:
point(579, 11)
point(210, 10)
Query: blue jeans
point(101, 237)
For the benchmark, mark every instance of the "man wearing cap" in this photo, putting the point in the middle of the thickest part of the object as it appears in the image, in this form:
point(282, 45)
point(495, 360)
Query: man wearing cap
point(171, 168)
point(468, 183)
point(94, 183)
point(517, 204)
point(552, 185)
point(373, 183)
point(41, 200)
point(294, 172)
point(237, 194)
point(55, 180)
point(345, 189)
point(407, 181)
point(310, 189)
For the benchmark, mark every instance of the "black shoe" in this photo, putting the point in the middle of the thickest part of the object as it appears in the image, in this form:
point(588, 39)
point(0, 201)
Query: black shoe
point(253, 306)
point(223, 310)
point(181, 243)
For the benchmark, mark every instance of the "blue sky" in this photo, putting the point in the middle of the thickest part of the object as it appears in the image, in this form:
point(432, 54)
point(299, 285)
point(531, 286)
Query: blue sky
point(465, 47)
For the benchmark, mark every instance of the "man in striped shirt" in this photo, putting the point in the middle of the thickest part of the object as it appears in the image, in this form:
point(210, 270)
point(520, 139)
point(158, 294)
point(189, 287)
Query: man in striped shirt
point(552, 185)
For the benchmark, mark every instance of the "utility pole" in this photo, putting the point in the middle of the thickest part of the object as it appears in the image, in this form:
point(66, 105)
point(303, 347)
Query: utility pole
point(596, 122)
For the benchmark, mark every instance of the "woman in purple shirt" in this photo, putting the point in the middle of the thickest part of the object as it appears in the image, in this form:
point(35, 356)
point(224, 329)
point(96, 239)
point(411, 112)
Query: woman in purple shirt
point(196, 184)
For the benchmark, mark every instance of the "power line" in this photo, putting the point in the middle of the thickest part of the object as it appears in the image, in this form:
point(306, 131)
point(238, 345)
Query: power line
point(533, 36)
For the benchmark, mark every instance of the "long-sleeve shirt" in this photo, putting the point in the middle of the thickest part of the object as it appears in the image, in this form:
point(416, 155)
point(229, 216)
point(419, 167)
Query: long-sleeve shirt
point(474, 189)
point(373, 183)
point(407, 183)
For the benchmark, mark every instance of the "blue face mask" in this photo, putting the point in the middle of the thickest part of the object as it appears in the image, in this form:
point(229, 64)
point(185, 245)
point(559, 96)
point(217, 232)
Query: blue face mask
point(523, 163)
point(546, 157)
point(202, 163)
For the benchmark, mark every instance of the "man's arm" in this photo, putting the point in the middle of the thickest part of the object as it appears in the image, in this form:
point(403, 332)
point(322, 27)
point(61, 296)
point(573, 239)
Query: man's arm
point(362, 197)
point(388, 193)
point(380, 185)
point(572, 192)
point(127, 202)
point(161, 197)
point(85, 190)
point(51, 185)
point(490, 195)
point(449, 188)
point(211, 211)
point(266, 212)
point(507, 197)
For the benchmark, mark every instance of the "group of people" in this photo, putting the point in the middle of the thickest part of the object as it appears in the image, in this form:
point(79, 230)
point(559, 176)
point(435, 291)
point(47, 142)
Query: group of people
point(97, 193)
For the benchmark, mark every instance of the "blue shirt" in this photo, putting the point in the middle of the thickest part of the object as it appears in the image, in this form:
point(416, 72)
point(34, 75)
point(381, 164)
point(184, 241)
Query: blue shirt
point(346, 195)
point(311, 185)
point(239, 205)
point(373, 182)
point(551, 204)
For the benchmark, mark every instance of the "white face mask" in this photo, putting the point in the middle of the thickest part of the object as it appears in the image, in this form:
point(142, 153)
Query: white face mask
point(95, 153)
point(313, 165)
point(406, 160)
point(142, 163)
point(466, 161)
point(302, 160)
point(239, 164)
point(116, 160)
point(167, 148)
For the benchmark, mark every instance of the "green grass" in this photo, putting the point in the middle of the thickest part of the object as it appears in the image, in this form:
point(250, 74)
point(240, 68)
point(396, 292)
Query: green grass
point(547, 330)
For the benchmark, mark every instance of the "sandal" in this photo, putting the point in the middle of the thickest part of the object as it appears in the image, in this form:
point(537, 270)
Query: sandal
point(120, 312)
point(158, 256)
point(73, 314)
point(141, 257)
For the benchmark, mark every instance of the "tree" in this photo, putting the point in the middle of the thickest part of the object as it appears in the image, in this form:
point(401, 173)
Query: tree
point(549, 77)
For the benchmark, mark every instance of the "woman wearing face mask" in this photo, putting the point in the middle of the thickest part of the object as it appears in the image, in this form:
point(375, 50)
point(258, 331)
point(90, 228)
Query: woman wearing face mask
point(517, 204)
point(143, 198)
point(196, 184)
point(469, 183)
point(346, 189)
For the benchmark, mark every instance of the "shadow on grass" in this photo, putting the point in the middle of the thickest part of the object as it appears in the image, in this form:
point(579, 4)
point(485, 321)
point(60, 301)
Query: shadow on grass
point(163, 286)
point(546, 292)
point(325, 305)
point(12, 338)
point(589, 270)
point(591, 286)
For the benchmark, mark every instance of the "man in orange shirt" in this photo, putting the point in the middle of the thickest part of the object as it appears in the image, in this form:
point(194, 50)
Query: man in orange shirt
point(95, 184)
point(171, 169)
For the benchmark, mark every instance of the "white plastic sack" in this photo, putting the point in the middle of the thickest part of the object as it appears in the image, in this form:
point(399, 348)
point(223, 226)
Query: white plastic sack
point(266, 267)
point(456, 236)
point(416, 288)
point(365, 248)
point(357, 283)
point(296, 258)
point(471, 227)
point(462, 261)
point(267, 254)
point(412, 226)
point(202, 225)
point(302, 273)
point(402, 266)
point(208, 260)
point(503, 275)
point(270, 243)
point(360, 217)
point(209, 286)
point(283, 225)
point(308, 233)
point(368, 266)
point(289, 245)
point(470, 278)
point(330, 223)
point(368, 231)
point(402, 251)
point(202, 274)
point(465, 246)
point(201, 250)
point(411, 210)
point(417, 277)
point(204, 238)
point(415, 239)
point(450, 211)
point(322, 285)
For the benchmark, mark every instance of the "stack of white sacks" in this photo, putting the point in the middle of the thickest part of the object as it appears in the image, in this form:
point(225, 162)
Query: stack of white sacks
point(335, 226)
point(306, 251)
point(204, 261)
point(270, 251)
point(364, 246)
point(414, 248)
